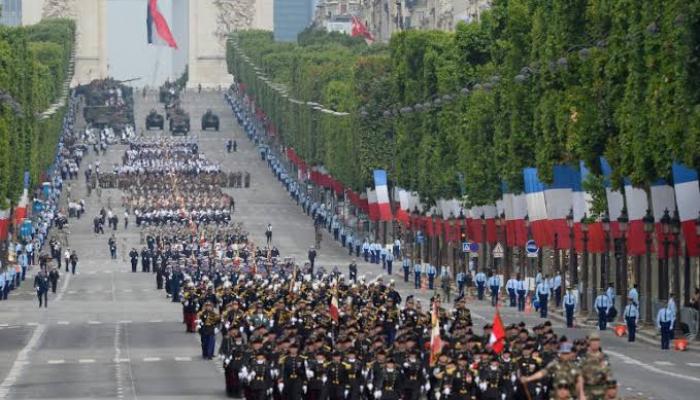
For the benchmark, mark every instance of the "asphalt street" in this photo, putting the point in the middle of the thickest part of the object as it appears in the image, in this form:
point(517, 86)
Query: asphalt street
point(108, 333)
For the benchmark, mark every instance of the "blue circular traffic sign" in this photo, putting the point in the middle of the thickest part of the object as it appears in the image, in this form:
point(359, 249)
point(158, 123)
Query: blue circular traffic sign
point(473, 247)
point(531, 247)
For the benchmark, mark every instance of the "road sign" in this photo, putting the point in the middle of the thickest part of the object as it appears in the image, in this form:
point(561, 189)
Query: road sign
point(465, 247)
point(498, 250)
point(473, 247)
point(531, 248)
point(419, 237)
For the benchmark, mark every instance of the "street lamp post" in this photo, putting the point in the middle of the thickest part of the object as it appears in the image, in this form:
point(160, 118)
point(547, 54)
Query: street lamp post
point(605, 260)
point(622, 221)
point(506, 253)
point(648, 230)
point(452, 247)
point(675, 236)
point(531, 260)
point(498, 264)
point(663, 262)
point(584, 261)
point(484, 267)
point(573, 273)
point(416, 255)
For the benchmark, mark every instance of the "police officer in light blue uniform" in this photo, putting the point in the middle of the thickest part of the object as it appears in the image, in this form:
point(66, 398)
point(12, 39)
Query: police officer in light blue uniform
point(406, 265)
point(382, 255)
point(389, 260)
point(633, 294)
point(521, 288)
point(664, 321)
point(365, 250)
point(461, 278)
point(494, 283)
point(2, 285)
point(511, 287)
point(417, 271)
point(556, 286)
point(603, 305)
point(480, 280)
point(631, 315)
point(431, 272)
point(569, 307)
point(542, 293)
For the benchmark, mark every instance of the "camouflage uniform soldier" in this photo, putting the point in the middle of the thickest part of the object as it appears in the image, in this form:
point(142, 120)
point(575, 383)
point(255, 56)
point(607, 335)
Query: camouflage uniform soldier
point(562, 370)
point(595, 370)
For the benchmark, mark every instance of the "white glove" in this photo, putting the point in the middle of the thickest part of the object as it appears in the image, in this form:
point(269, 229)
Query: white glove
point(483, 386)
point(405, 365)
point(309, 373)
point(272, 323)
point(426, 386)
point(251, 376)
point(216, 331)
point(377, 394)
point(227, 325)
point(346, 393)
point(269, 392)
point(370, 386)
point(446, 392)
point(324, 379)
point(280, 387)
point(303, 389)
point(241, 329)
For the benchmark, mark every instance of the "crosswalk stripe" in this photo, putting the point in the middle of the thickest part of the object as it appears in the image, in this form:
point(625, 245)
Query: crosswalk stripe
point(666, 363)
point(151, 359)
point(86, 361)
point(56, 361)
point(183, 358)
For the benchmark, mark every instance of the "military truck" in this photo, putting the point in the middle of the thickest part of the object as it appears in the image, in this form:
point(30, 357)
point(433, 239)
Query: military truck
point(153, 119)
point(210, 120)
point(179, 122)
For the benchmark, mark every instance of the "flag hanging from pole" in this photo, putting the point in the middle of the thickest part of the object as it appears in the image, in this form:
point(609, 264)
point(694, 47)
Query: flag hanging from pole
point(156, 21)
point(334, 312)
point(435, 340)
point(498, 334)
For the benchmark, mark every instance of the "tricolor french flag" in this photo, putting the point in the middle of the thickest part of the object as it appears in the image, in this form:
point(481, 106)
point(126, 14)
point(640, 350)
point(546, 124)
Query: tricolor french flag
point(685, 182)
point(537, 208)
point(157, 27)
point(637, 206)
point(515, 210)
point(4, 223)
point(382, 193)
point(559, 202)
point(20, 212)
point(404, 210)
point(616, 202)
point(373, 213)
point(583, 204)
point(662, 198)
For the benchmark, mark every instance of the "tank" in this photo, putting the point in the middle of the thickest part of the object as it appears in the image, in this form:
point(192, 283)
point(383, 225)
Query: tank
point(210, 120)
point(179, 122)
point(155, 120)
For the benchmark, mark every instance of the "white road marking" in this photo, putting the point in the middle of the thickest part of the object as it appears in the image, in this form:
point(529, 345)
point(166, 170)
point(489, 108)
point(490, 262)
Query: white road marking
point(693, 364)
point(72, 292)
point(151, 359)
point(94, 322)
point(126, 290)
point(21, 361)
point(32, 324)
point(666, 363)
point(156, 320)
point(121, 360)
point(56, 361)
point(125, 321)
point(106, 272)
point(651, 368)
point(4, 325)
point(63, 323)
point(183, 358)
point(86, 361)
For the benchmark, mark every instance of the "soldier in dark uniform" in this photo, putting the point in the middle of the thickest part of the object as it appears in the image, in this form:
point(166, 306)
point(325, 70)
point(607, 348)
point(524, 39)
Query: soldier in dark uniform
point(293, 373)
point(317, 378)
point(233, 353)
point(413, 376)
point(336, 376)
point(134, 255)
point(54, 275)
point(259, 378)
point(491, 379)
point(354, 381)
point(387, 383)
point(145, 260)
point(189, 309)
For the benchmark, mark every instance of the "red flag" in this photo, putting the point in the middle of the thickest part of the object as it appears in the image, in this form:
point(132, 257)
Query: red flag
point(334, 308)
point(435, 340)
point(359, 29)
point(498, 334)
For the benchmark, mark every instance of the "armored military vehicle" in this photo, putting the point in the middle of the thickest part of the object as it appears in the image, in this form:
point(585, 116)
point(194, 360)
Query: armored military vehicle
point(155, 120)
point(179, 122)
point(210, 120)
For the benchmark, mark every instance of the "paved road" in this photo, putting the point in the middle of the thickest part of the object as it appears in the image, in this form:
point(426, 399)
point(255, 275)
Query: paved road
point(109, 334)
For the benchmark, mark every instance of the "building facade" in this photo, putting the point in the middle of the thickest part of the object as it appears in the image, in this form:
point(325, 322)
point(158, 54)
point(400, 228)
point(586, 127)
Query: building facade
point(291, 17)
point(11, 12)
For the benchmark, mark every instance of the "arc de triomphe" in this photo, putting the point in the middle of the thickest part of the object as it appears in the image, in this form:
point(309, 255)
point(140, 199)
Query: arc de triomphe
point(209, 23)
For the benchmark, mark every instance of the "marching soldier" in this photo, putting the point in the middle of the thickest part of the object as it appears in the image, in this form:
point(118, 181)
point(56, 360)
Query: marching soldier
point(134, 255)
point(413, 374)
point(232, 352)
point(353, 376)
point(189, 308)
point(293, 374)
point(336, 377)
point(208, 322)
point(259, 376)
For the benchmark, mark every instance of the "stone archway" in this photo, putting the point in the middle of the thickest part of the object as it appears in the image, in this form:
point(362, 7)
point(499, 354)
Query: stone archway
point(209, 22)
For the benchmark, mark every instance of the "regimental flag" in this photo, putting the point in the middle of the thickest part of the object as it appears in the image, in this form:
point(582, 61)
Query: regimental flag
point(382, 193)
point(334, 312)
point(360, 29)
point(685, 181)
point(435, 340)
point(498, 334)
point(4, 224)
point(157, 27)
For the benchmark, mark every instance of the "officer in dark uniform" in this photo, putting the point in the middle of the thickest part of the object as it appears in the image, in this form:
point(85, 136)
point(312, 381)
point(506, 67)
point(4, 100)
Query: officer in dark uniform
point(208, 322)
point(232, 351)
point(352, 271)
point(293, 373)
point(387, 383)
point(336, 376)
point(259, 377)
point(354, 381)
point(413, 374)
point(134, 255)
point(145, 260)
point(317, 378)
